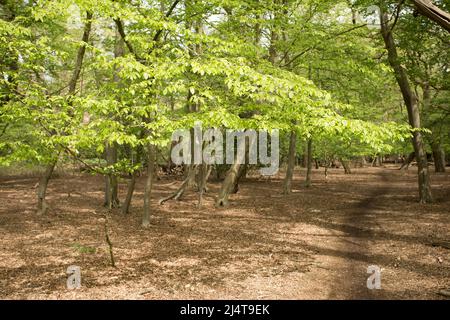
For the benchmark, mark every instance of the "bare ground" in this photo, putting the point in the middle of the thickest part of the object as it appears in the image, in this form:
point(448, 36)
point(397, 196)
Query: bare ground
point(313, 244)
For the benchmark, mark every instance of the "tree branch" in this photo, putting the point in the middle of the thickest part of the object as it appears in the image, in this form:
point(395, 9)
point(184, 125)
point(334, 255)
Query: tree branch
point(80, 55)
point(168, 14)
point(434, 13)
point(121, 31)
point(315, 46)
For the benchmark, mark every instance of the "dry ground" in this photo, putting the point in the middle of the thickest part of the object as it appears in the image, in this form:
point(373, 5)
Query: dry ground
point(313, 244)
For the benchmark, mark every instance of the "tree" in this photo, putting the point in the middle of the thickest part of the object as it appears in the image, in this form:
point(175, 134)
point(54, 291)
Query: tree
point(411, 103)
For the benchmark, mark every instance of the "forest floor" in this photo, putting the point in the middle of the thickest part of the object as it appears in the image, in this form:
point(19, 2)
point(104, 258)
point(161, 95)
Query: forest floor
point(316, 243)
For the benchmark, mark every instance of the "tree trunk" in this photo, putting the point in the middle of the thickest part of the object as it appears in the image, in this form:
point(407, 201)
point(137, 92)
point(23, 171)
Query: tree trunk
point(304, 163)
point(362, 162)
point(438, 157)
point(42, 188)
point(80, 54)
point(227, 185)
point(411, 103)
point(191, 175)
point(309, 163)
point(408, 161)
point(202, 176)
point(377, 161)
point(230, 179)
point(291, 163)
point(241, 174)
point(43, 182)
point(111, 183)
point(130, 190)
point(148, 184)
point(180, 191)
point(346, 166)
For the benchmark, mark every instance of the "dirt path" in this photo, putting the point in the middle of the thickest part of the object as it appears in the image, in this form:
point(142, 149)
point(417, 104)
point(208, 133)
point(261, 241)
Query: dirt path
point(356, 241)
point(360, 237)
point(313, 244)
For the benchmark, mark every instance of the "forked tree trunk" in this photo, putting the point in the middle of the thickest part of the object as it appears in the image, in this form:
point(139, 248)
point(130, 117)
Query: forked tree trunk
point(230, 179)
point(291, 163)
point(377, 161)
point(148, 184)
point(411, 103)
point(309, 164)
point(346, 166)
point(438, 157)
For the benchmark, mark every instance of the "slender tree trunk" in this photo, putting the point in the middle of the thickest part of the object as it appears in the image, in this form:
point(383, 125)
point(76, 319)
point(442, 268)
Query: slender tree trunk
point(180, 191)
point(227, 185)
point(241, 174)
point(272, 48)
point(130, 190)
point(362, 162)
point(309, 150)
point(42, 188)
point(304, 163)
point(43, 182)
point(80, 54)
point(377, 162)
point(408, 161)
point(438, 153)
point(148, 184)
point(438, 157)
point(131, 184)
point(170, 164)
point(202, 173)
point(111, 183)
point(411, 103)
point(291, 163)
